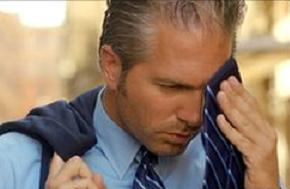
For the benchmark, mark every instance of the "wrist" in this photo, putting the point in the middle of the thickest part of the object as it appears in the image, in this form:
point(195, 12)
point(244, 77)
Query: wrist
point(262, 180)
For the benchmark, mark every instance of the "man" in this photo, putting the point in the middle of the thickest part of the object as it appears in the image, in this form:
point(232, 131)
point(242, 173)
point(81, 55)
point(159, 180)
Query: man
point(156, 58)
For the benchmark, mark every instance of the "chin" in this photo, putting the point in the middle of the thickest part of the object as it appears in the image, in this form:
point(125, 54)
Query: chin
point(169, 150)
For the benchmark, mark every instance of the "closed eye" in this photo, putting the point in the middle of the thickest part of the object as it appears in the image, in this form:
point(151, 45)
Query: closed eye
point(165, 83)
point(175, 87)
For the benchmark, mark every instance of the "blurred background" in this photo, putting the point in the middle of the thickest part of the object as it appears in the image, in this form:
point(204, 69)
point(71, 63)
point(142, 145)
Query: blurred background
point(48, 51)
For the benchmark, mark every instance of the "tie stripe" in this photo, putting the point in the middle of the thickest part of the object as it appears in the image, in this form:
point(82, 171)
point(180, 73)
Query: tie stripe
point(211, 94)
point(215, 174)
point(229, 146)
point(139, 184)
point(153, 181)
point(146, 177)
point(217, 151)
point(214, 127)
point(219, 135)
point(224, 166)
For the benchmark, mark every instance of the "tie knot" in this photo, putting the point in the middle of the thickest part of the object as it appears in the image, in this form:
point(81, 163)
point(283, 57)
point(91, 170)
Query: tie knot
point(148, 157)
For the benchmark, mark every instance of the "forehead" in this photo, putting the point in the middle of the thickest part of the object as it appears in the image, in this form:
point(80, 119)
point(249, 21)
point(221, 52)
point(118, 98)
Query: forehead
point(191, 56)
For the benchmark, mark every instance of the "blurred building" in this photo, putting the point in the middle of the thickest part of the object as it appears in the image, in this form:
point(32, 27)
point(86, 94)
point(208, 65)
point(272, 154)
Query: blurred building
point(83, 27)
point(29, 66)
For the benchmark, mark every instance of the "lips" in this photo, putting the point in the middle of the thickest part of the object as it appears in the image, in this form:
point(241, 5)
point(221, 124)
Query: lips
point(179, 138)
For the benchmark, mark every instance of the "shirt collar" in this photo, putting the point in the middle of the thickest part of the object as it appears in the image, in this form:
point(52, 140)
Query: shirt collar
point(119, 147)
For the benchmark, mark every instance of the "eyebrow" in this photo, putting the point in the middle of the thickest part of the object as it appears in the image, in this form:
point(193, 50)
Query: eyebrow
point(178, 83)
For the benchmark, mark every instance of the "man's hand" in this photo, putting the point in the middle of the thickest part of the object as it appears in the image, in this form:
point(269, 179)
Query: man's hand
point(251, 133)
point(73, 174)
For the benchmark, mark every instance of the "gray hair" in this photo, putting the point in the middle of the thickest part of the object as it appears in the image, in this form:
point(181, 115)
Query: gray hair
point(128, 23)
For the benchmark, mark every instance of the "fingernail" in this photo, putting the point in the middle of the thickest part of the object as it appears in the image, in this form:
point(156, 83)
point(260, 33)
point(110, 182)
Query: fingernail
point(220, 118)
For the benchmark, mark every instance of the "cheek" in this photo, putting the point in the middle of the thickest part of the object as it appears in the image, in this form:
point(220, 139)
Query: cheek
point(148, 103)
point(152, 107)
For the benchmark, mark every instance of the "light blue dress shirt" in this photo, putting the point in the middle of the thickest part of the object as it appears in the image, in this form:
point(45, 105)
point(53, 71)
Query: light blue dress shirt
point(115, 156)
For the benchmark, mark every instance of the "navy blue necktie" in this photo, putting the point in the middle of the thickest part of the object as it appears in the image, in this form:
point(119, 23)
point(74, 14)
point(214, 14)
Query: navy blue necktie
point(224, 164)
point(146, 177)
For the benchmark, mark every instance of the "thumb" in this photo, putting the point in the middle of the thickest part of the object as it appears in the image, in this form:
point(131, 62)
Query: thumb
point(98, 179)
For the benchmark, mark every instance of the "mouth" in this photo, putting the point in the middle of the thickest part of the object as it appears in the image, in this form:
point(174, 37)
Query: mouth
point(179, 138)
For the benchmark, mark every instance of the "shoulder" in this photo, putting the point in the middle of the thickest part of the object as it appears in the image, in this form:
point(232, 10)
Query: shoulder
point(20, 158)
point(13, 140)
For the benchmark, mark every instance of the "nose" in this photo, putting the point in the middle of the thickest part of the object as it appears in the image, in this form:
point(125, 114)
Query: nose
point(190, 109)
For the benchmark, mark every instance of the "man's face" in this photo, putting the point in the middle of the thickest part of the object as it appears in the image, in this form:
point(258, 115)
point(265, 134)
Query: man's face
point(162, 106)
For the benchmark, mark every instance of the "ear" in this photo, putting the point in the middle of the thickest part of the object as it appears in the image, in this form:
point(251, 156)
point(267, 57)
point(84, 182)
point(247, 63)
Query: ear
point(111, 66)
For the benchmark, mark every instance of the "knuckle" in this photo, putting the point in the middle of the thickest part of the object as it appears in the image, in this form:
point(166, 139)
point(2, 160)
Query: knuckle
point(245, 144)
point(75, 159)
point(242, 144)
point(241, 92)
point(223, 85)
point(244, 124)
point(233, 138)
point(273, 135)
point(252, 100)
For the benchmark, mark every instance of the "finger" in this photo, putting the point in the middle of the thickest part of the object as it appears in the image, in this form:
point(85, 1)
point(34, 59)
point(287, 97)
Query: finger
point(82, 183)
point(74, 168)
point(239, 89)
point(243, 100)
point(55, 166)
point(248, 105)
point(99, 181)
point(234, 97)
point(241, 143)
point(238, 104)
point(237, 119)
